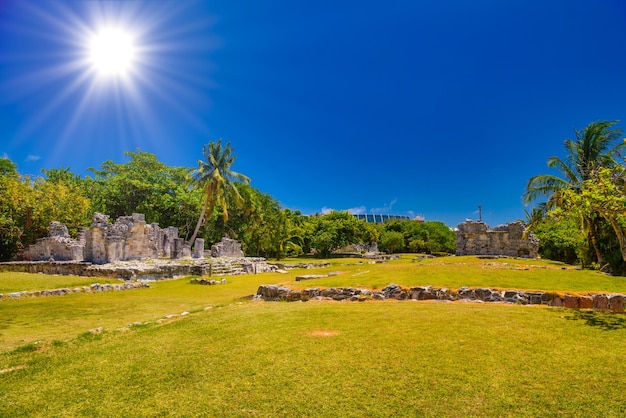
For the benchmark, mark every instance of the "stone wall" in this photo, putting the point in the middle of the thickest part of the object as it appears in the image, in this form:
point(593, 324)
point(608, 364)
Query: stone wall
point(476, 238)
point(129, 238)
point(58, 245)
point(94, 288)
point(600, 301)
point(154, 270)
point(226, 248)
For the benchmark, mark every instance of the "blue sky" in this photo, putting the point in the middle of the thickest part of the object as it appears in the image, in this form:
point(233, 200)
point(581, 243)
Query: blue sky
point(402, 107)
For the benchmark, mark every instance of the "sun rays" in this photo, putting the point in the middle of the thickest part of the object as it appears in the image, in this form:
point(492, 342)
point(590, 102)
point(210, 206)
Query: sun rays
point(107, 73)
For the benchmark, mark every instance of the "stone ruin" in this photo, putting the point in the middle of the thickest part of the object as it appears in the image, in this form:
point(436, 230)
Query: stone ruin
point(476, 238)
point(226, 248)
point(57, 245)
point(129, 238)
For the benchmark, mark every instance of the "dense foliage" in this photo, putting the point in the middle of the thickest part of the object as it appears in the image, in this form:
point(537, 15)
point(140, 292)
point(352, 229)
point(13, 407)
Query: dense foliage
point(561, 239)
point(589, 196)
point(144, 185)
point(28, 205)
point(209, 197)
point(419, 237)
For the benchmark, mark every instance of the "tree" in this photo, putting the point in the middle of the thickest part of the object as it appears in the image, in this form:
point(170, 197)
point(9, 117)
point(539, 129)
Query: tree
point(594, 148)
point(339, 229)
point(7, 167)
point(427, 237)
point(62, 200)
point(391, 241)
point(604, 195)
point(16, 210)
point(144, 185)
point(561, 239)
point(216, 179)
point(28, 205)
point(259, 223)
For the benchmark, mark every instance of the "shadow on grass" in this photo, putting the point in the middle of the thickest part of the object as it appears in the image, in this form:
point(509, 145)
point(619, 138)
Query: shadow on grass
point(604, 320)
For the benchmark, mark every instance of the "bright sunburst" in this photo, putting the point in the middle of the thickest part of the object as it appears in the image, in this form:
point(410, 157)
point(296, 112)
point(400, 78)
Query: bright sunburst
point(112, 52)
point(126, 74)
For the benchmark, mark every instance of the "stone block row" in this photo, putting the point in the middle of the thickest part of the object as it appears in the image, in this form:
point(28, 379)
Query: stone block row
point(94, 288)
point(607, 302)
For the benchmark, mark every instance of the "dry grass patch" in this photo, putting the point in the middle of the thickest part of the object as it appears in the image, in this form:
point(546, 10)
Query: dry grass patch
point(12, 369)
point(323, 333)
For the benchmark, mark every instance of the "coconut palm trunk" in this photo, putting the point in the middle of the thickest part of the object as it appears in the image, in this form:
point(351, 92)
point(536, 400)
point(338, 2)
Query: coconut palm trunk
point(215, 177)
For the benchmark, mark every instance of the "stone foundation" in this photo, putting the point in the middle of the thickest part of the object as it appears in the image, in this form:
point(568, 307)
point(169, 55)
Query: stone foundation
point(151, 270)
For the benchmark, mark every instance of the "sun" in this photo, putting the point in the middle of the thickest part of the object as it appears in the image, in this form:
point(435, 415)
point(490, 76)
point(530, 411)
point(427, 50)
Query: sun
point(112, 52)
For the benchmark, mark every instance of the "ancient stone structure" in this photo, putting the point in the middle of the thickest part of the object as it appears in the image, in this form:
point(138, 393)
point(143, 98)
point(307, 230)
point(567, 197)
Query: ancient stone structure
point(226, 248)
point(606, 302)
point(129, 238)
point(476, 238)
point(58, 245)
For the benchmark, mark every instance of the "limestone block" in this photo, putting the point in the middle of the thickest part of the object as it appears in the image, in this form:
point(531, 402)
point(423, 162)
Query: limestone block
point(534, 298)
point(186, 249)
point(616, 302)
point(310, 293)
point(99, 219)
point(95, 250)
point(177, 248)
point(226, 248)
point(198, 248)
point(571, 302)
point(482, 293)
point(169, 235)
point(557, 301)
point(586, 302)
point(601, 302)
point(57, 229)
point(294, 295)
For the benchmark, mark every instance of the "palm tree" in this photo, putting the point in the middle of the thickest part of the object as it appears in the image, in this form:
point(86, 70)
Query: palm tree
point(217, 180)
point(594, 148)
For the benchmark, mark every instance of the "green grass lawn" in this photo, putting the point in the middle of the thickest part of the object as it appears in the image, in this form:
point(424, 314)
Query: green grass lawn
point(265, 359)
point(456, 272)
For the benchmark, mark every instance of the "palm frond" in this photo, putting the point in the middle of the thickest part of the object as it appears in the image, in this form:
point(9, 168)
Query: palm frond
point(544, 185)
point(565, 168)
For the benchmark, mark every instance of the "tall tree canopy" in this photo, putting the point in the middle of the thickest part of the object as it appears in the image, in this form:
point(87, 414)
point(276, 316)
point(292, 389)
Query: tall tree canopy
point(597, 146)
point(144, 185)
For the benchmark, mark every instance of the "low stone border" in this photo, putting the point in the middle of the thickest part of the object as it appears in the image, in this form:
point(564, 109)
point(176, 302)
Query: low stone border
point(291, 266)
point(196, 280)
point(94, 288)
point(609, 302)
point(316, 276)
point(152, 269)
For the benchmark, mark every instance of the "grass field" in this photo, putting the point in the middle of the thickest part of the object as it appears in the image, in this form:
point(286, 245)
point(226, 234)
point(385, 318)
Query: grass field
point(233, 357)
